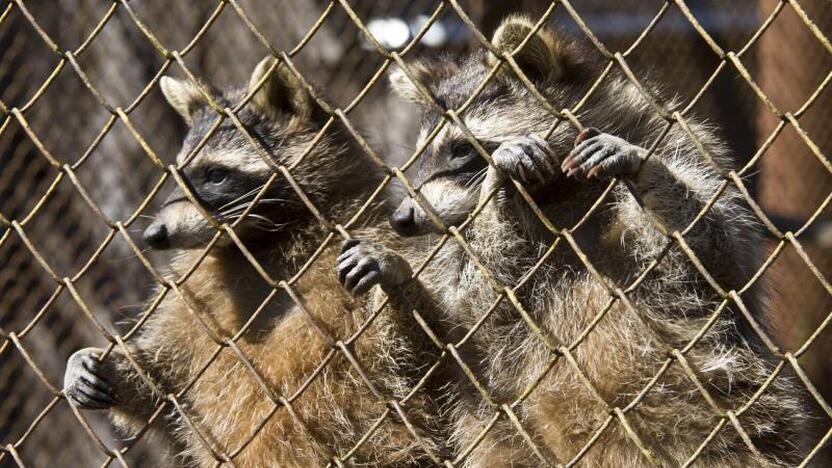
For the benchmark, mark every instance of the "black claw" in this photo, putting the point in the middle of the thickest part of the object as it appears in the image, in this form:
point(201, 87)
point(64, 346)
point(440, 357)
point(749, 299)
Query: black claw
point(525, 166)
point(527, 146)
point(93, 393)
point(580, 154)
point(97, 383)
point(349, 277)
point(348, 244)
point(347, 253)
point(94, 367)
point(346, 256)
point(86, 400)
point(351, 242)
point(367, 282)
point(517, 150)
point(593, 151)
point(540, 168)
point(91, 363)
point(596, 159)
point(355, 276)
point(343, 270)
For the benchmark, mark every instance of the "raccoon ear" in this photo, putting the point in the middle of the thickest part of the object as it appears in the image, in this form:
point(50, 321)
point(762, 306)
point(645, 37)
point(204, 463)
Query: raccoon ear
point(540, 57)
point(402, 85)
point(183, 96)
point(426, 73)
point(282, 92)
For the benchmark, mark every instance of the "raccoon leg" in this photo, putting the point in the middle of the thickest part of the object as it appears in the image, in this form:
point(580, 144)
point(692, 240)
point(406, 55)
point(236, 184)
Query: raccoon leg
point(529, 160)
point(672, 191)
point(88, 381)
point(601, 155)
point(112, 384)
point(364, 264)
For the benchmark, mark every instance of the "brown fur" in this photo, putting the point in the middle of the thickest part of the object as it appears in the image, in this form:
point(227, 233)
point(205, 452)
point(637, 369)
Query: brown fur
point(627, 347)
point(227, 403)
point(218, 393)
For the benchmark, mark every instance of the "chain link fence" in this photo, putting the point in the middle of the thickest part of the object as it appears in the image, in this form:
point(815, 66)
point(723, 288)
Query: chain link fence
point(88, 145)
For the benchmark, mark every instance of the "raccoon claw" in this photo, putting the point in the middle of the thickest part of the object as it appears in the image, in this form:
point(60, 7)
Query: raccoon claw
point(601, 155)
point(530, 160)
point(88, 381)
point(364, 264)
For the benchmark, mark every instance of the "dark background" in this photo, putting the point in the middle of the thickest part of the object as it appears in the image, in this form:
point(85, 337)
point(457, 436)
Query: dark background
point(787, 61)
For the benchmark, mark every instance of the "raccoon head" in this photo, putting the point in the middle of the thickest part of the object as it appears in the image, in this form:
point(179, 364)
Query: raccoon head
point(227, 173)
point(450, 169)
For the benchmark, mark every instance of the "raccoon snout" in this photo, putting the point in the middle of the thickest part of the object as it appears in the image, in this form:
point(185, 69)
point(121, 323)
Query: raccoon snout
point(156, 236)
point(403, 220)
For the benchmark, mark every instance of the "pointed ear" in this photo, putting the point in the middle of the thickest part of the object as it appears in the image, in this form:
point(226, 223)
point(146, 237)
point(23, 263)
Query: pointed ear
point(426, 73)
point(281, 93)
point(541, 56)
point(183, 96)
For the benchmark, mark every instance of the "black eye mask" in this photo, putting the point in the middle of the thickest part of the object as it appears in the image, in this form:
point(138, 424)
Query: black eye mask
point(459, 163)
point(217, 186)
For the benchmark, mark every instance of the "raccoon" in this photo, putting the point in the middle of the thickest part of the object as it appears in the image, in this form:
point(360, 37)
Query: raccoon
point(617, 345)
point(217, 374)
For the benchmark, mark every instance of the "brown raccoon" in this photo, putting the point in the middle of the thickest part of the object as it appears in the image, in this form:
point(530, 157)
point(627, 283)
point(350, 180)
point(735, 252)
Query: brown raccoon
point(284, 344)
point(628, 346)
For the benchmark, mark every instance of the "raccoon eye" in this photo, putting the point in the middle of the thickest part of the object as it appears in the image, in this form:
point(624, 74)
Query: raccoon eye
point(461, 150)
point(217, 176)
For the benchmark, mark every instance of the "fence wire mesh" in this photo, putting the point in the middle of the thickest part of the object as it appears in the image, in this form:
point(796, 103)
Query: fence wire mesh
point(88, 146)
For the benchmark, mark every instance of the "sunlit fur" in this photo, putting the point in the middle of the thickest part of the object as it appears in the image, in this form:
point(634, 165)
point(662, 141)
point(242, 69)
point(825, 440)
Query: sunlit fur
point(626, 348)
point(226, 402)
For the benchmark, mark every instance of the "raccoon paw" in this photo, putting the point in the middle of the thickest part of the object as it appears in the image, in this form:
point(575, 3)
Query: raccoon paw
point(88, 381)
point(601, 155)
point(529, 160)
point(364, 264)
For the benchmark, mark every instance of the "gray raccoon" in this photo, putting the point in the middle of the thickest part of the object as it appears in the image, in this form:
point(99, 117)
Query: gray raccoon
point(225, 401)
point(623, 350)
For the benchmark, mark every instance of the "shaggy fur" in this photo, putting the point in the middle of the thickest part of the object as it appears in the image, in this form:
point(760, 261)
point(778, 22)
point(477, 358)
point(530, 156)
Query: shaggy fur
point(626, 348)
point(218, 392)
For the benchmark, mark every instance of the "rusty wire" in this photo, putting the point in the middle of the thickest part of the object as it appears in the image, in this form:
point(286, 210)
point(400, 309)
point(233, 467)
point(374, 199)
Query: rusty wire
point(16, 226)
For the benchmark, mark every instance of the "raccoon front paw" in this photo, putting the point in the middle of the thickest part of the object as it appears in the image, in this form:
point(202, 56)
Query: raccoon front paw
point(88, 382)
point(529, 160)
point(601, 155)
point(364, 264)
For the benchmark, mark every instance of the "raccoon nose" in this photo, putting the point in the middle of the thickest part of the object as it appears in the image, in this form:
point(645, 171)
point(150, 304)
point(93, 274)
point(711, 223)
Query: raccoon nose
point(156, 236)
point(403, 220)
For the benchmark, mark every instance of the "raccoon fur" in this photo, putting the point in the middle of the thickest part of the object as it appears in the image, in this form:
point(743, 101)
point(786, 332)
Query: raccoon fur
point(618, 346)
point(231, 386)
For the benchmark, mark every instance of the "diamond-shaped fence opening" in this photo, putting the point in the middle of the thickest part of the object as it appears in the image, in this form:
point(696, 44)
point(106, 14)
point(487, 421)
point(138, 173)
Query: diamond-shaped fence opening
point(89, 154)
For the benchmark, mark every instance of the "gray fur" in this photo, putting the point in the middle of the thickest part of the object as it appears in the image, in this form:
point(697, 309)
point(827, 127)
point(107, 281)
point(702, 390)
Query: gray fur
point(625, 348)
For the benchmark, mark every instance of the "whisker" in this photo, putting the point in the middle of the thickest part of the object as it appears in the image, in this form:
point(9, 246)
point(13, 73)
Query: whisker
point(244, 205)
point(258, 221)
point(472, 179)
point(475, 180)
point(243, 196)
